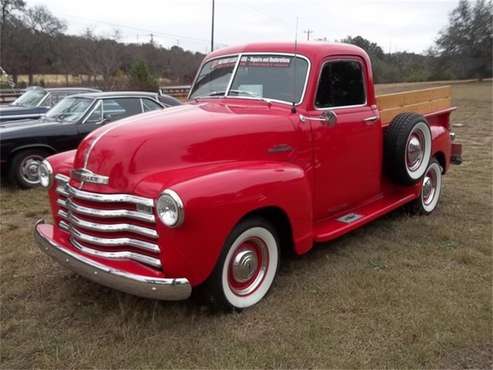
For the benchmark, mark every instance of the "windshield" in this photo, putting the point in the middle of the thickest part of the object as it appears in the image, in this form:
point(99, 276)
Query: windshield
point(70, 109)
point(214, 77)
point(31, 98)
point(261, 76)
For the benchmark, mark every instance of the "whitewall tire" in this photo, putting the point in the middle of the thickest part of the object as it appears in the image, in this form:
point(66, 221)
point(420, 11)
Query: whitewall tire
point(431, 188)
point(247, 266)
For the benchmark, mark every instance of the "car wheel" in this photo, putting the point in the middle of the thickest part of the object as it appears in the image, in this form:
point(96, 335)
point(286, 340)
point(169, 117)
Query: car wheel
point(23, 170)
point(407, 145)
point(247, 266)
point(431, 187)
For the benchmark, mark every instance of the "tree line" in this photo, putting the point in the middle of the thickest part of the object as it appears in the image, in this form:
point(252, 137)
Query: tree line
point(462, 50)
point(33, 41)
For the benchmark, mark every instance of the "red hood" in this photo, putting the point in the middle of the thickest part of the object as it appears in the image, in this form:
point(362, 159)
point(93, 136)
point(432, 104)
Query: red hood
point(205, 134)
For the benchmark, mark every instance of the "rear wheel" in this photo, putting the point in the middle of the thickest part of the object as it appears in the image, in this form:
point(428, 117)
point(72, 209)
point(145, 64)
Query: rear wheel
point(431, 189)
point(23, 170)
point(247, 266)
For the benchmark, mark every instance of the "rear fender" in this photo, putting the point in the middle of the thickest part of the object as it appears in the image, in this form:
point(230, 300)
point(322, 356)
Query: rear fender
point(440, 132)
point(214, 203)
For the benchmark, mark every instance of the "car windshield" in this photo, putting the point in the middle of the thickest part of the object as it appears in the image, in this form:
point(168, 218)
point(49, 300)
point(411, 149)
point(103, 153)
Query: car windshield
point(31, 98)
point(260, 76)
point(70, 109)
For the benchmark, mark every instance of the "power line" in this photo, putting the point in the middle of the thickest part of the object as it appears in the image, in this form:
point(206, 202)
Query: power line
point(171, 36)
point(308, 32)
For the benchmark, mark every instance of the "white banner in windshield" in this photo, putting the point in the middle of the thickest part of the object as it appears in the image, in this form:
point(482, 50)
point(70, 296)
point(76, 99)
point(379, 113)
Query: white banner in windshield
point(265, 61)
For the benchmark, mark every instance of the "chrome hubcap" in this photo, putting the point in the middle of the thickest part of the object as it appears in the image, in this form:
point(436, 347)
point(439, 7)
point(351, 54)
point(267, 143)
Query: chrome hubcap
point(415, 152)
point(429, 186)
point(29, 169)
point(248, 266)
point(244, 265)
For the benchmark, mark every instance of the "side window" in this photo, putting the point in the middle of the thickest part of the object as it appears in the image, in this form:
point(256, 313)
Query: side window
point(341, 84)
point(56, 97)
point(118, 108)
point(149, 105)
point(96, 115)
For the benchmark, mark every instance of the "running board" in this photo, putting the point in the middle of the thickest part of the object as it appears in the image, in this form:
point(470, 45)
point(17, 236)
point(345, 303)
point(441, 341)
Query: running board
point(333, 228)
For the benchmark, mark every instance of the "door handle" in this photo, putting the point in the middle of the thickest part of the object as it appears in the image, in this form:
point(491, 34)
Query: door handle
point(370, 120)
point(328, 118)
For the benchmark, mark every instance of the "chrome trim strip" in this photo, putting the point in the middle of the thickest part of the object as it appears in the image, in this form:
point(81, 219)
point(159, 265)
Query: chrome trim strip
point(109, 198)
point(61, 190)
point(45, 96)
point(62, 178)
point(105, 228)
point(155, 262)
point(105, 213)
point(140, 285)
point(116, 242)
point(21, 116)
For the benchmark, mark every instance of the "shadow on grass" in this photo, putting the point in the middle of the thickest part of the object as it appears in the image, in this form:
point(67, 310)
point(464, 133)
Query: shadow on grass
point(79, 291)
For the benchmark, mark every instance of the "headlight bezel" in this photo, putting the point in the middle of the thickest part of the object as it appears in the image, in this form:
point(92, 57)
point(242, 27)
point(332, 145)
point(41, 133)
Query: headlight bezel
point(49, 169)
point(178, 204)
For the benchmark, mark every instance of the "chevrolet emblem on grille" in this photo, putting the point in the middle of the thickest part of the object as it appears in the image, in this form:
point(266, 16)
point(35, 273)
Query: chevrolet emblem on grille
point(85, 175)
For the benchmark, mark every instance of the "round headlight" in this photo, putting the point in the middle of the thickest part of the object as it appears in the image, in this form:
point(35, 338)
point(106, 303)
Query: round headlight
point(45, 172)
point(169, 208)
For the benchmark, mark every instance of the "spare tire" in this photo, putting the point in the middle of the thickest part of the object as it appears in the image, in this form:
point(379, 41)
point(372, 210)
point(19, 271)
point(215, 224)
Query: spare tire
point(407, 148)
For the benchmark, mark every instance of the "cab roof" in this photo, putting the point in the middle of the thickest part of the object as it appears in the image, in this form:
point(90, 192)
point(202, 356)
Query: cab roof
point(311, 50)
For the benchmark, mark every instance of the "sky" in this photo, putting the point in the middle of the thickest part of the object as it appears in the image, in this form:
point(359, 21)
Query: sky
point(396, 25)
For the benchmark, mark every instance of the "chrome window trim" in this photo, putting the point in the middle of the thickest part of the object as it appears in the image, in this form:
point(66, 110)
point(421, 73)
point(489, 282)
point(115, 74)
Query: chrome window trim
point(365, 78)
point(141, 106)
point(94, 107)
point(154, 101)
point(108, 228)
point(233, 73)
point(47, 93)
point(240, 55)
point(205, 61)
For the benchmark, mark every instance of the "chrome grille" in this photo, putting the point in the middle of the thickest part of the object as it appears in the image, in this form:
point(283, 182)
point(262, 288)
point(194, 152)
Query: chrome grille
point(118, 226)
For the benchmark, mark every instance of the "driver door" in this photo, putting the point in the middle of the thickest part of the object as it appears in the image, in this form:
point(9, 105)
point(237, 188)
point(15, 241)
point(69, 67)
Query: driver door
point(347, 145)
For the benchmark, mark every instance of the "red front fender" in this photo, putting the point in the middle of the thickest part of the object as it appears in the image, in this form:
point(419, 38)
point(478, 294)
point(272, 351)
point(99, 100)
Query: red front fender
point(214, 203)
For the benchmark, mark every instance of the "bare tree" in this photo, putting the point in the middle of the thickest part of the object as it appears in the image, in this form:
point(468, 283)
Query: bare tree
point(42, 28)
point(7, 6)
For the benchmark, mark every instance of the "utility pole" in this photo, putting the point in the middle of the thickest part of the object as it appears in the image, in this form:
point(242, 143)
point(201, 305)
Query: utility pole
point(308, 32)
point(212, 27)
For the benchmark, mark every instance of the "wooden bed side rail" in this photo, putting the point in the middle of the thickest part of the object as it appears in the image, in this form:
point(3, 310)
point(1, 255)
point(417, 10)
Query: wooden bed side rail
point(419, 101)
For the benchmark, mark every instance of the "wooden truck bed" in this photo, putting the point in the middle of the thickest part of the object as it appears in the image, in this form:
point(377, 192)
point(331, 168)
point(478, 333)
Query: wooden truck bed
point(419, 101)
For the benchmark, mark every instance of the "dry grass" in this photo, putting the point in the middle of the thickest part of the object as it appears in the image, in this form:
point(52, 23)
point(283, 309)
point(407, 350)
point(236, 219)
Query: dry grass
point(403, 292)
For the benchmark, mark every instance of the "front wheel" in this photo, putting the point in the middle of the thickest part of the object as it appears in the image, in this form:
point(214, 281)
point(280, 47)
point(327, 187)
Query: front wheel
point(247, 266)
point(23, 170)
point(431, 188)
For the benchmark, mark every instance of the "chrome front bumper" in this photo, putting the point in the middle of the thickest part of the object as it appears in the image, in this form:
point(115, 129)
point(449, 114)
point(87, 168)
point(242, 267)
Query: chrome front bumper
point(139, 285)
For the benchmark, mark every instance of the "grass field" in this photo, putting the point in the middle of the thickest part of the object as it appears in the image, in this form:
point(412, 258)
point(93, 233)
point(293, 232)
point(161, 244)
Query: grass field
point(403, 292)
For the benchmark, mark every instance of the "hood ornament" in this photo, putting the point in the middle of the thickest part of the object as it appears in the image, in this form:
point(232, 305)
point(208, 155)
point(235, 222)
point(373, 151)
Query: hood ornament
point(85, 175)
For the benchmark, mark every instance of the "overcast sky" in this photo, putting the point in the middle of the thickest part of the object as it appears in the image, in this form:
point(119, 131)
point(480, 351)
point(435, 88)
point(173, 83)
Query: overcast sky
point(395, 25)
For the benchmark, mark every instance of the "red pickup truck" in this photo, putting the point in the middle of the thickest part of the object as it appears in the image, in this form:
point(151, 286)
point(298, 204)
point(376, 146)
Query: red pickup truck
point(281, 146)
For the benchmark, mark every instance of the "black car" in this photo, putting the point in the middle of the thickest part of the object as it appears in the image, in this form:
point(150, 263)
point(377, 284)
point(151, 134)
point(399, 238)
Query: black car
point(24, 144)
point(36, 101)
